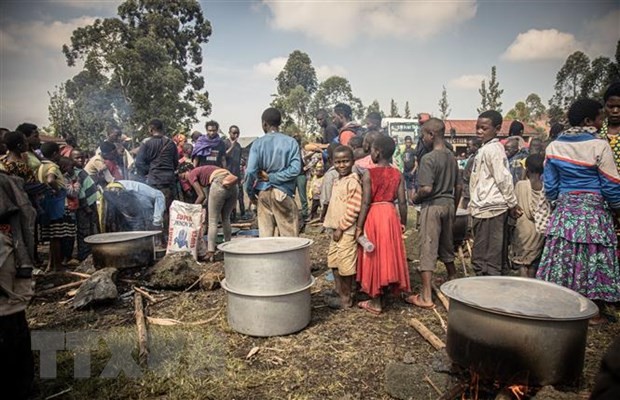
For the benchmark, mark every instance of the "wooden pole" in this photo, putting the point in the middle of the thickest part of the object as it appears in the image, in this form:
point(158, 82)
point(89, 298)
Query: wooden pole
point(142, 333)
point(60, 288)
point(427, 334)
point(442, 298)
point(462, 258)
point(145, 294)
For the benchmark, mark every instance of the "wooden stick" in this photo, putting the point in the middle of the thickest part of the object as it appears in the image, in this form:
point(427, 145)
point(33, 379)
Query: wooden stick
point(241, 225)
point(462, 258)
point(59, 394)
point(60, 288)
point(454, 392)
point(78, 274)
point(142, 333)
point(145, 294)
point(442, 298)
point(441, 321)
point(430, 382)
point(427, 334)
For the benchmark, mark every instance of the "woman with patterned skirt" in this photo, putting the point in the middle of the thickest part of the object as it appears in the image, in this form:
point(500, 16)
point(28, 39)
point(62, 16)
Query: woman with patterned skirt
point(582, 179)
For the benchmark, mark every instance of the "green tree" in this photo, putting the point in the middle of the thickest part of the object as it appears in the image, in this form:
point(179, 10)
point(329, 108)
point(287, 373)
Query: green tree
point(374, 107)
point(149, 60)
point(494, 93)
point(556, 114)
point(484, 94)
point(394, 109)
point(407, 110)
point(62, 113)
point(297, 103)
point(569, 80)
point(334, 90)
point(615, 68)
point(298, 71)
point(527, 111)
point(536, 109)
point(598, 78)
point(444, 106)
point(519, 112)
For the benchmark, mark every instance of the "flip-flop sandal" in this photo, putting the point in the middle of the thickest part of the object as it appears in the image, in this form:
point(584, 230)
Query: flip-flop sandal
point(365, 305)
point(415, 300)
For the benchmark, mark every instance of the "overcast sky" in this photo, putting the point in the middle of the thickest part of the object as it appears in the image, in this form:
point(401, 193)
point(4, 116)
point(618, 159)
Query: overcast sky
point(405, 50)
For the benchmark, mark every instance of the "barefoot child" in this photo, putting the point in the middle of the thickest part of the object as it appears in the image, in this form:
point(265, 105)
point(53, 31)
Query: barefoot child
point(527, 244)
point(386, 267)
point(438, 194)
point(345, 205)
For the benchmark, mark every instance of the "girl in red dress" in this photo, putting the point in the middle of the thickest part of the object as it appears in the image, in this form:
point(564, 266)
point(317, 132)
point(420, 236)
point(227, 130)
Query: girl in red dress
point(386, 267)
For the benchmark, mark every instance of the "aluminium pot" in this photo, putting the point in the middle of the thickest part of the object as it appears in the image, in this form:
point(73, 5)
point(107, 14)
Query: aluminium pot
point(122, 249)
point(268, 314)
point(461, 223)
point(459, 228)
point(270, 265)
point(517, 330)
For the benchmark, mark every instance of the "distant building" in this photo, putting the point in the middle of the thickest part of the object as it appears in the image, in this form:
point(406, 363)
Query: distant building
point(466, 128)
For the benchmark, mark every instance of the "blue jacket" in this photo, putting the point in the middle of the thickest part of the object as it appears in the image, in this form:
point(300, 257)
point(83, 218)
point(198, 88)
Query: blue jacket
point(279, 156)
point(581, 162)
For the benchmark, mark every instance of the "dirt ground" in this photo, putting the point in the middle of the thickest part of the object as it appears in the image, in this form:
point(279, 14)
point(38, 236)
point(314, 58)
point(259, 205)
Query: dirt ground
point(342, 354)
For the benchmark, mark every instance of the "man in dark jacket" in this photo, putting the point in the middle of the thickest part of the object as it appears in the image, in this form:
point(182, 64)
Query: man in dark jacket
point(158, 160)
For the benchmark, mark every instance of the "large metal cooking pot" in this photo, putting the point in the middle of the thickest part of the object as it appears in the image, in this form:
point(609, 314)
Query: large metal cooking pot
point(269, 314)
point(517, 330)
point(459, 229)
point(268, 265)
point(122, 249)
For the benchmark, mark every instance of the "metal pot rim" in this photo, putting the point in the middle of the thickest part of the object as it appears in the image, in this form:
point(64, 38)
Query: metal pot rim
point(233, 291)
point(503, 298)
point(237, 248)
point(118, 237)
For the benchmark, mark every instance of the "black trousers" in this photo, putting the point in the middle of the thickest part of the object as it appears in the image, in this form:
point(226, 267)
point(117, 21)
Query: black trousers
point(16, 360)
point(490, 251)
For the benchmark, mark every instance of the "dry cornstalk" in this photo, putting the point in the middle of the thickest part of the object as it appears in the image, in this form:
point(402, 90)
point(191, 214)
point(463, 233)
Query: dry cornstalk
point(427, 334)
point(144, 293)
point(60, 288)
point(441, 297)
point(142, 333)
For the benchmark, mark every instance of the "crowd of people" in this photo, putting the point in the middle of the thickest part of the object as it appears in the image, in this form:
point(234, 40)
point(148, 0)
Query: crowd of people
point(541, 209)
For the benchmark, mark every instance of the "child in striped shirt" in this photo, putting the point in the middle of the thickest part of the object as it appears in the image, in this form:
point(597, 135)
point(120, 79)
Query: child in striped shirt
point(344, 208)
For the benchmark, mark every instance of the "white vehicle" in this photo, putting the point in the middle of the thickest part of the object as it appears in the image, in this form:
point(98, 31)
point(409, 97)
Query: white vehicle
point(401, 127)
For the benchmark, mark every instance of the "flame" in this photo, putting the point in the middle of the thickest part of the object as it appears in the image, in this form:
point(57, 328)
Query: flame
point(518, 391)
